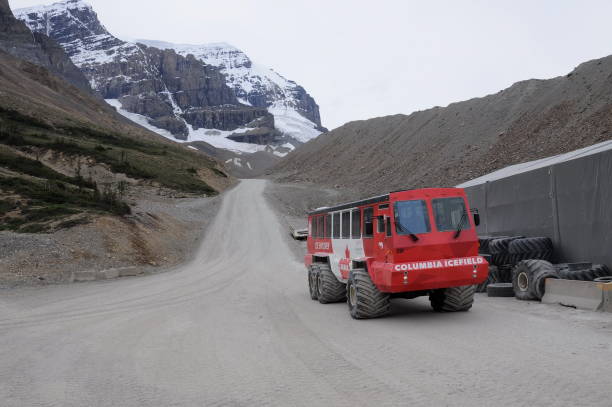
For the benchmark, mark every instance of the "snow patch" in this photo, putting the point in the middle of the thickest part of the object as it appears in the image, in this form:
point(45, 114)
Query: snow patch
point(214, 137)
point(250, 79)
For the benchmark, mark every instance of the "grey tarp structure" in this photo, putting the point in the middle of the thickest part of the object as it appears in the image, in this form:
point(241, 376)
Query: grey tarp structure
point(570, 202)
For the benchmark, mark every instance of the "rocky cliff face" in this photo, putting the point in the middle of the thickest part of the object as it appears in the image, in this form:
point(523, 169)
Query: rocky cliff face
point(296, 113)
point(213, 94)
point(17, 40)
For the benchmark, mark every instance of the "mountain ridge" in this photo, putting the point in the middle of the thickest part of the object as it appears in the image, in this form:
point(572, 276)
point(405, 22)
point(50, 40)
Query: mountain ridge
point(444, 146)
point(240, 111)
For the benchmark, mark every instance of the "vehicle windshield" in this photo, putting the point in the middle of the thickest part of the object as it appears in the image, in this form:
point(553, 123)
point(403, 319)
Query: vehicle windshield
point(450, 214)
point(411, 217)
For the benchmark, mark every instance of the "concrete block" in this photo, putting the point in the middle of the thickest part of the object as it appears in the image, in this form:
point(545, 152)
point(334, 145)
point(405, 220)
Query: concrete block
point(111, 274)
point(79, 276)
point(607, 293)
point(585, 295)
point(129, 272)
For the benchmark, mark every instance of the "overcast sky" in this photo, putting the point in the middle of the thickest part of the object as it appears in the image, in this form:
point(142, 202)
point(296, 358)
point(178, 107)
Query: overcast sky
point(361, 59)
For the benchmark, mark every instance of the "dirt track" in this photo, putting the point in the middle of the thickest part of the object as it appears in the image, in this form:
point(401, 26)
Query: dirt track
point(236, 327)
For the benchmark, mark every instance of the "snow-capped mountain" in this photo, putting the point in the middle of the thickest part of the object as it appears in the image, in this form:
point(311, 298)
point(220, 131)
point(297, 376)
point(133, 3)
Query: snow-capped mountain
point(211, 93)
point(295, 112)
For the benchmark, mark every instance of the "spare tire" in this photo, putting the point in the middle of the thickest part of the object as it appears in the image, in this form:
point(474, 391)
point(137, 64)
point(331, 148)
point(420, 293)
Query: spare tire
point(529, 277)
point(589, 274)
point(500, 245)
point(530, 245)
point(600, 270)
point(482, 287)
point(500, 290)
point(499, 250)
point(531, 248)
point(484, 243)
point(505, 273)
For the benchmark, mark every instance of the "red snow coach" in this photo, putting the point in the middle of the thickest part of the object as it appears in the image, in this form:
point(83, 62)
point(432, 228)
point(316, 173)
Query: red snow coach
point(403, 244)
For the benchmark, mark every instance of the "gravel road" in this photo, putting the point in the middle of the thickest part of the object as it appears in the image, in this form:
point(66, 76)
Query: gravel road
point(236, 327)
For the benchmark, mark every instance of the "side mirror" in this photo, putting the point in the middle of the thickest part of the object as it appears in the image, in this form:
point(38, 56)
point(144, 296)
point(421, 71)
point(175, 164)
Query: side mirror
point(477, 219)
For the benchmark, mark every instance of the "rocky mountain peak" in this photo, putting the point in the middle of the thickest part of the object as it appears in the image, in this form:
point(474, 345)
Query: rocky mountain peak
point(212, 93)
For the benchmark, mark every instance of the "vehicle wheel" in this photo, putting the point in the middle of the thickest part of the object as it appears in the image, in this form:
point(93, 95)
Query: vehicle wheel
point(607, 279)
point(363, 298)
point(312, 281)
point(529, 277)
point(329, 289)
point(452, 299)
point(482, 288)
point(500, 290)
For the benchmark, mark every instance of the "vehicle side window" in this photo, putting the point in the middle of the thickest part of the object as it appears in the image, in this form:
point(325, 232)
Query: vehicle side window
point(346, 225)
point(336, 222)
point(380, 223)
point(356, 223)
point(368, 219)
point(314, 225)
point(388, 226)
point(327, 226)
point(321, 227)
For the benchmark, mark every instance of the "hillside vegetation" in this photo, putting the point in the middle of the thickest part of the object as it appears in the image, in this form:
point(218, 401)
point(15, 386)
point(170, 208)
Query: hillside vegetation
point(66, 156)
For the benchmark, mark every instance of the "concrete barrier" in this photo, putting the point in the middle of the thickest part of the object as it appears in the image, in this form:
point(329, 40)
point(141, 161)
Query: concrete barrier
point(586, 295)
point(130, 272)
point(607, 291)
point(88, 275)
point(109, 274)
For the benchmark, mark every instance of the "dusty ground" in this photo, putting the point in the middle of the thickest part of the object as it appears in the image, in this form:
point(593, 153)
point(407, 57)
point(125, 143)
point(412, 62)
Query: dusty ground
point(162, 231)
point(236, 327)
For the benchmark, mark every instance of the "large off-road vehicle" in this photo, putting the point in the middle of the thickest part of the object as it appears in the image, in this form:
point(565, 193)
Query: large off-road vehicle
point(403, 244)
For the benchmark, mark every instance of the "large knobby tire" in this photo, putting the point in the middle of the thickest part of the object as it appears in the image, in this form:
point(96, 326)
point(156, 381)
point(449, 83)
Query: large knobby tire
point(313, 270)
point(482, 287)
point(363, 298)
point(588, 272)
point(531, 248)
point(529, 279)
point(504, 273)
point(329, 289)
point(499, 250)
point(483, 244)
point(452, 299)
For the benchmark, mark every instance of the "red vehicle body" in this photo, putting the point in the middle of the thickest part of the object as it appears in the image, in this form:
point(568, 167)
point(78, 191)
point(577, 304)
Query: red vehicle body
point(410, 242)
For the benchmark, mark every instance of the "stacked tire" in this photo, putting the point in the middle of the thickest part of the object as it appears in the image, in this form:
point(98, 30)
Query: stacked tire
point(498, 248)
point(491, 279)
point(582, 271)
point(530, 248)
